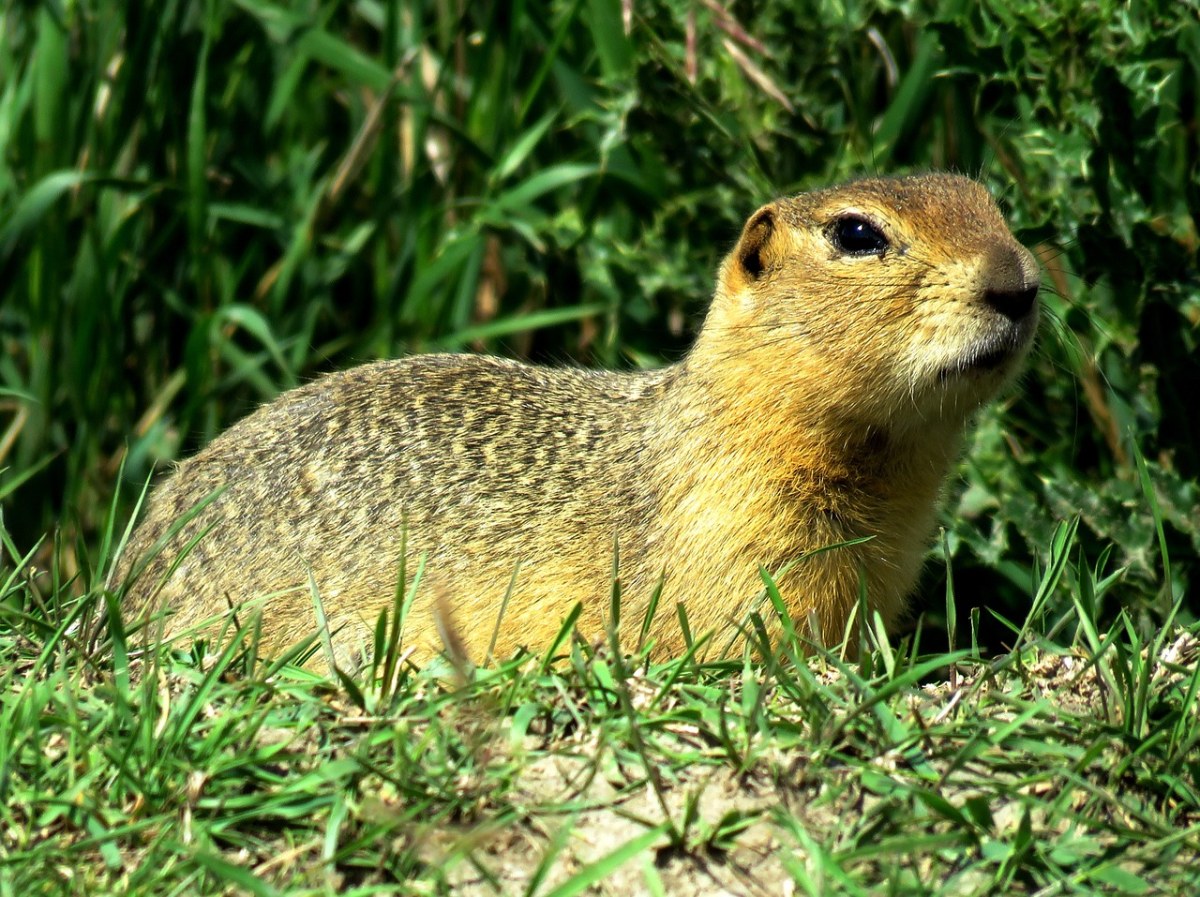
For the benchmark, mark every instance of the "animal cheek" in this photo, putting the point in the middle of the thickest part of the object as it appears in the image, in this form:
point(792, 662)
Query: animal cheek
point(936, 334)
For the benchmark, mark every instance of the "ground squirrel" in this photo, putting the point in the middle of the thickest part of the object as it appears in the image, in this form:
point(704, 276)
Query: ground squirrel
point(853, 332)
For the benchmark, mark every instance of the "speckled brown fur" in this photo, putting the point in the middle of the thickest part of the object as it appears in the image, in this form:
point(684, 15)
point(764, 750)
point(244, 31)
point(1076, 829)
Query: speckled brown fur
point(824, 400)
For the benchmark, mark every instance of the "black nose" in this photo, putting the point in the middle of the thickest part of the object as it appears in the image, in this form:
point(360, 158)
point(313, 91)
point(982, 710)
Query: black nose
point(1013, 304)
point(1010, 280)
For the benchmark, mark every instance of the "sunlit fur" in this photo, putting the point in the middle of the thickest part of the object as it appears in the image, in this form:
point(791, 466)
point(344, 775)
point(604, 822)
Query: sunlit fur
point(824, 400)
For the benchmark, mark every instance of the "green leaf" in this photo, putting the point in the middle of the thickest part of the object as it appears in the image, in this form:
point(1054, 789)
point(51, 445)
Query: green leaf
point(341, 56)
point(32, 207)
point(232, 874)
point(611, 862)
point(1124, 881)
point(543, 182)
point(523, 323)
point(523, 146)
point(608, 33)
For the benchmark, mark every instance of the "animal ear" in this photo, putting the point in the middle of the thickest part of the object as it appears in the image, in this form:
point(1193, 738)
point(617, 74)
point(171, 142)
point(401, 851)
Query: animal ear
point(755, 250)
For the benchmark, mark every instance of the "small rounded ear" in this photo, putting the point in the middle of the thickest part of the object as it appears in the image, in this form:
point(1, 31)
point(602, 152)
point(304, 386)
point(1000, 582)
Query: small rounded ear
point(754, 250)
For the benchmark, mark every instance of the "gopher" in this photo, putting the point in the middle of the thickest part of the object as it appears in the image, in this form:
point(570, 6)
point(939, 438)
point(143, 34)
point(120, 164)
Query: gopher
point(853, 333)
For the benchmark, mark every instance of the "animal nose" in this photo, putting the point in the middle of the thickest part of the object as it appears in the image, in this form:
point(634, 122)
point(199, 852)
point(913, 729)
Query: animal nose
point(1013, 304)
point(1011, 281)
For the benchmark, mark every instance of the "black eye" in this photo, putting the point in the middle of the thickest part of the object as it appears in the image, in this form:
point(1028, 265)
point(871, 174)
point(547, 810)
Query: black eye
point(857, 236)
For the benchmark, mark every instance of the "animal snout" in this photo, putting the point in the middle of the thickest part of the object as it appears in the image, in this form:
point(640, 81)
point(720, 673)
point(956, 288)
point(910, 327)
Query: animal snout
point(1011, 284)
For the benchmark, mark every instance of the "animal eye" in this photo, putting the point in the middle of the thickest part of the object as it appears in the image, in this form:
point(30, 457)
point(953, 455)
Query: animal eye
point(857, 236)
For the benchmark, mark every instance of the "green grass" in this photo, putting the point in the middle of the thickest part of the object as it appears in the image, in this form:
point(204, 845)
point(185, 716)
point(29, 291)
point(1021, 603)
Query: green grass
point(1056, 768)
point(203, 204)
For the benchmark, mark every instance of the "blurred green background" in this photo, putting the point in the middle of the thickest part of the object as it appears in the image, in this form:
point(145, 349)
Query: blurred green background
point(203, 204)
